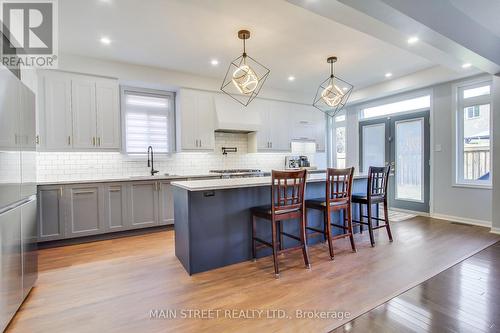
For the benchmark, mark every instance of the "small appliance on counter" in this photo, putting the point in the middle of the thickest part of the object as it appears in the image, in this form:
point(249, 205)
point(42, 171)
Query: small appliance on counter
point(298, 162)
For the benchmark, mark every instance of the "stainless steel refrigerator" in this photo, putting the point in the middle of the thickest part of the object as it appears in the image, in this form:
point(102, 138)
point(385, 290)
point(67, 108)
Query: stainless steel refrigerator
point(18, 224)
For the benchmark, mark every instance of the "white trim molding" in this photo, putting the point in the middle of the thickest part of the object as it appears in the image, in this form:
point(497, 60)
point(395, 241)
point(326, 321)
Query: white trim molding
point(480, 223)
point(495, 231)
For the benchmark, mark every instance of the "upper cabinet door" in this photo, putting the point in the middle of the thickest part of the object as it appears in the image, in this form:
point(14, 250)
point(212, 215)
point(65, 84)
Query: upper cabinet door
point(205, 121)
point(56, 114)
point(83, 105)
point(188, 122)
point(279, 115)
point(108, 114)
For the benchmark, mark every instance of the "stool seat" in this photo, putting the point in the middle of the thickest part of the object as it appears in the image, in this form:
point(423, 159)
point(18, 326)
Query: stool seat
point(322, 202)
point(267, 209)
point(363, 198)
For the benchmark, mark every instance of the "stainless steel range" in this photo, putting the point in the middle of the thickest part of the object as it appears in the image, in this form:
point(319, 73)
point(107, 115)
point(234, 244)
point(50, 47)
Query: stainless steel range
point(239, 173)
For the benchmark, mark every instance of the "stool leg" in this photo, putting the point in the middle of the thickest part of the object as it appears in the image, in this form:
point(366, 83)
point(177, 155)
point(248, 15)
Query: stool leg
point(370, 227)
point(280, 230)
point(254, 249)
point(304, 240)
point(328, 234)
point(387, 226)
point(275, 248)
point(349, 225)
point(360, 217)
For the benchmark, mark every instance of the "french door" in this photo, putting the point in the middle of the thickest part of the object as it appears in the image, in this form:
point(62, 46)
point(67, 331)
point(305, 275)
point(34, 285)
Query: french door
point(403, 142)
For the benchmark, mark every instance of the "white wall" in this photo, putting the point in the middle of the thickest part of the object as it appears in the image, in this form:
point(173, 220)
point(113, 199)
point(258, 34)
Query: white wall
point(468, 205)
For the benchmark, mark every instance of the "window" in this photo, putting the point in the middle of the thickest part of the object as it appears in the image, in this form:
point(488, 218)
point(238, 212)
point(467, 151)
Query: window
point(148, 120)
point(472, 112)
point(473, 158)
point(339, 136)
point(423, 102)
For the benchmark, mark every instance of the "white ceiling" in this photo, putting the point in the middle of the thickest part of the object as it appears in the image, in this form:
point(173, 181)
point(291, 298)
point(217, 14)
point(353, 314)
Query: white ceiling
point(185, 35)
point(484, 12)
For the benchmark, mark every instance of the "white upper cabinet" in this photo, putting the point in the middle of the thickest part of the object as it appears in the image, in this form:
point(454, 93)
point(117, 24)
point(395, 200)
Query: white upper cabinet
point(195, 120)
point(108, 114)
point(79, 112)
point(83, 106)
point(56, 117)
point(283, 123)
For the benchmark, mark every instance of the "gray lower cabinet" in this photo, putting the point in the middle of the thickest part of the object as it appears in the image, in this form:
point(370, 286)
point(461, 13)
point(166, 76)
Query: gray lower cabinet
point(143, 204)
point(51, 220)
point(114, 207)
point(71, 211)
point(83, 207)
point(166, 203)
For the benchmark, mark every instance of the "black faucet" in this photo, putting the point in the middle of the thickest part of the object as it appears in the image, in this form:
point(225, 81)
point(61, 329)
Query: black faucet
point(151, 161)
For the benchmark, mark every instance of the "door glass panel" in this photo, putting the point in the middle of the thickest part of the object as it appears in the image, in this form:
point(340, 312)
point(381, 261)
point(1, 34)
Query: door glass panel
point(409, 158)
point(373, 146)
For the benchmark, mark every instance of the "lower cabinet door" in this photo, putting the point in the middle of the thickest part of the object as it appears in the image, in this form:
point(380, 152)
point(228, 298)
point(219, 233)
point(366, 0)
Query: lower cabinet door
point(143, 202)
point(51, 219)
point(114, 207)
point(83, 211)
point(166, 203)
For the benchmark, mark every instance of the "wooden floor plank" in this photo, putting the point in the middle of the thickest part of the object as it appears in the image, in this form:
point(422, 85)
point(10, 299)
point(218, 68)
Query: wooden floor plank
point(111, 286)
point(463, 298)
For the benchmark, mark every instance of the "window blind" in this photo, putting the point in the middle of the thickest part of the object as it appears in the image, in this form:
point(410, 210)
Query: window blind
point(147, 121)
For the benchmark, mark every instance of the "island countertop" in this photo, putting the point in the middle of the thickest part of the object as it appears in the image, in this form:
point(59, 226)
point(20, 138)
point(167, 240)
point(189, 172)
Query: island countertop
point(230, 183)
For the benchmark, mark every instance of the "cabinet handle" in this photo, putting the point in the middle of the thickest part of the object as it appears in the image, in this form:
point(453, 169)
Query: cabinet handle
point(114, 190)
point(200, 143)
point(37, 139)
point(60, 191)
point(159, 186)
point(99, 141)
point(84, 192)
point(93, 140)
point(69, 140)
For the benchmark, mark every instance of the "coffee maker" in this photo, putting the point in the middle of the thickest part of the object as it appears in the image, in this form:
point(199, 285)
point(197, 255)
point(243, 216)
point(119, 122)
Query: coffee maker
point(304, 162)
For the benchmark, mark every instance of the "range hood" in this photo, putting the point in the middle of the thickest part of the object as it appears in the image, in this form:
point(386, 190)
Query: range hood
point(235, 118)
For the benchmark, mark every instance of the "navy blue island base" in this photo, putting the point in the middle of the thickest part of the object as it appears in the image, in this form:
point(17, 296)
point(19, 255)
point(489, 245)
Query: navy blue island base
point(213, 223)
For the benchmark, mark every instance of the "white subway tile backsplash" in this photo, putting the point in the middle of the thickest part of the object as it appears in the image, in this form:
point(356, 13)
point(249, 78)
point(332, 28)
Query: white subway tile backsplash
point(96, 165)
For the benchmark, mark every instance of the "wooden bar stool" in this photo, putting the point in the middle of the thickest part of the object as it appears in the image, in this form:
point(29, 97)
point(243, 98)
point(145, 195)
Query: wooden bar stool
point(287, 202)
point(376, 193)
point(337, 198)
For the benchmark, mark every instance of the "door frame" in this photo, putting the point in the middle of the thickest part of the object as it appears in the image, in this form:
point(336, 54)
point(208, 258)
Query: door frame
point(424, 114)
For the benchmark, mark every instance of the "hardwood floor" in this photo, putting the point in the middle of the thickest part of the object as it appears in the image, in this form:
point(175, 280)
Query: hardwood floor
point(463, 298)
point(112, 285)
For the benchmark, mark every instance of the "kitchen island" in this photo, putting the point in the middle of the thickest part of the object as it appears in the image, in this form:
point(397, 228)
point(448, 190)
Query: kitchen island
point(213, 220)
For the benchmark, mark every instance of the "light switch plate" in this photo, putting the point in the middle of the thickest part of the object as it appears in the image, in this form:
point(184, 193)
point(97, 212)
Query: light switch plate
point(438, 148)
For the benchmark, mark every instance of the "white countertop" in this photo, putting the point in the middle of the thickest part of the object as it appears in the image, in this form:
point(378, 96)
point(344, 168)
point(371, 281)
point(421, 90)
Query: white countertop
point(123, 179)
point(221, 184)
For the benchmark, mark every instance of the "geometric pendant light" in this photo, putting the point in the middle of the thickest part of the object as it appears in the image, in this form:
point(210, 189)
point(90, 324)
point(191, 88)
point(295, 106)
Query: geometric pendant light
point(245, 75)
point(333, 93)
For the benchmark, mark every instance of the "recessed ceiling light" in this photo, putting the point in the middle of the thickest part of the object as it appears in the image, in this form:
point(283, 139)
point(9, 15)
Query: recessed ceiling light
point(214, 62)
point(388, 74)
point(105, 40)
point(412, 40)
point(466, 65)
point(291, 78)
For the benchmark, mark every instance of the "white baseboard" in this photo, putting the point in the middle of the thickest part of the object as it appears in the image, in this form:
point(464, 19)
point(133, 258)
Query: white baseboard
point(463, 220)
point(409, 211)
point(495, 231)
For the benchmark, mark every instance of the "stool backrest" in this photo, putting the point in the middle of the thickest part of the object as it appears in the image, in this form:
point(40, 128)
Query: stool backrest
point(377, 181)
point(339, 184)
point(287, 190)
